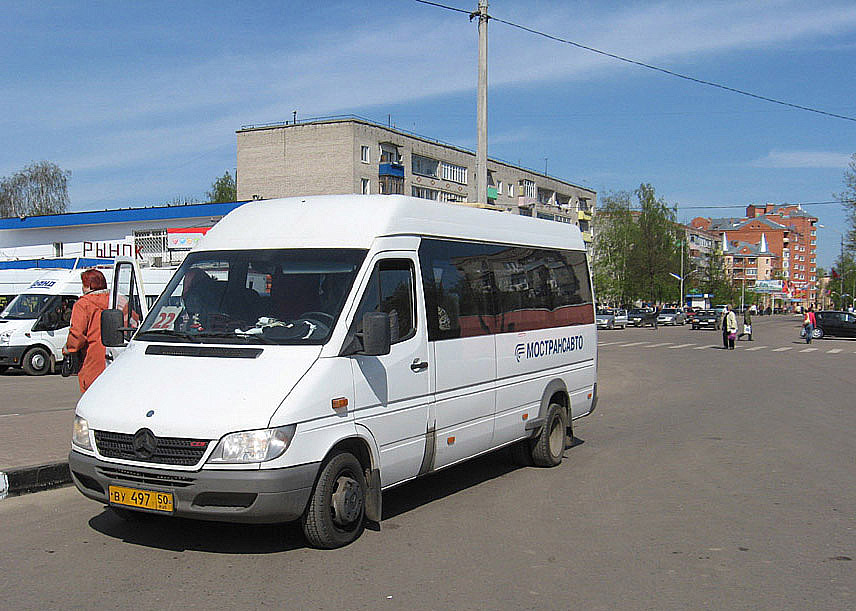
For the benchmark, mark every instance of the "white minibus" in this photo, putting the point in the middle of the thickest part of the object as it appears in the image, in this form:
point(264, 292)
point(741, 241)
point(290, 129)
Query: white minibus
point(313, 352)
point(34, 325)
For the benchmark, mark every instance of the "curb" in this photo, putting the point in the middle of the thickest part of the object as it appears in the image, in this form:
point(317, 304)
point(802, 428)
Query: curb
point(34, 479)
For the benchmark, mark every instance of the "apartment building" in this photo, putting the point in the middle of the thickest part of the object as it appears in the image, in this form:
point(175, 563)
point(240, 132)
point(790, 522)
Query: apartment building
point(354, 155)
point(789, 235)
point(701, 244)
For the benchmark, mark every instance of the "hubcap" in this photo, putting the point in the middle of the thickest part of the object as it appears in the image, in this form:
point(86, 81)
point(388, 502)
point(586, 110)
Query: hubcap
point(38, 361)
point(347, 501)
point(557, 438)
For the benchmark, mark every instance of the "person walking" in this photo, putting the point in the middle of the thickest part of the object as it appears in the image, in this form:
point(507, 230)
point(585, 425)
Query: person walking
point(84, 334)
point(809, 322)
point(747, 324)
point(729, 328)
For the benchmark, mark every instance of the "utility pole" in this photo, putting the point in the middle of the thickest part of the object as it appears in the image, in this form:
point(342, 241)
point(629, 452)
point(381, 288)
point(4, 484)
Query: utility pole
point(681, 296)
point(481, 153)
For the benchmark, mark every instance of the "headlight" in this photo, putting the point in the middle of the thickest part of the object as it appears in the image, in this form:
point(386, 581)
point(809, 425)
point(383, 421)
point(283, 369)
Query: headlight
point(80, 433)
point(253, 446)
point(4, 337)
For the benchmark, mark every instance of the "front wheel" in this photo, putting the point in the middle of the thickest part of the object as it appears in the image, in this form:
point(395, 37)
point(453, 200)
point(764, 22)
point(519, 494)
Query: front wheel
point(337, 508)
point(36, 362)
point(817, 334)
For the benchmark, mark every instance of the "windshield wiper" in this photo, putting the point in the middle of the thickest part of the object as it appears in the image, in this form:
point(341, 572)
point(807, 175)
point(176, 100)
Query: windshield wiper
point(239, 335)
point(169, 334)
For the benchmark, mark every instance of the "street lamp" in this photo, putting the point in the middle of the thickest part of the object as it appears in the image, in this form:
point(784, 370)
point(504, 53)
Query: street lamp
point(682, 278)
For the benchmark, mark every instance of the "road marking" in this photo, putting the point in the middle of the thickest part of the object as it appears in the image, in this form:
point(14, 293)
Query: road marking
point(783, 349)
point(705, 347)
point(607, 343)
point(809, 350)
point(658, 345)
point(755, 348)
point(633, 344)
point(833, 351)
point(681, 346)
point(8, 415)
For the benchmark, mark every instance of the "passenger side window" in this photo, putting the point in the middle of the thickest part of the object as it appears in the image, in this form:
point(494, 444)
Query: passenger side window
point(391, 290)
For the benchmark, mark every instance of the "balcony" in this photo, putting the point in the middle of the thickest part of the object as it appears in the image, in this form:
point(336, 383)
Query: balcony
point(390, 169)
point(584, 215)
point(587, 237)
point(492, 193)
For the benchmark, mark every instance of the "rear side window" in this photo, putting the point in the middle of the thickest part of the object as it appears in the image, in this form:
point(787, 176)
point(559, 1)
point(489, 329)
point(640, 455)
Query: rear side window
point(478, 289)
point(391, 290)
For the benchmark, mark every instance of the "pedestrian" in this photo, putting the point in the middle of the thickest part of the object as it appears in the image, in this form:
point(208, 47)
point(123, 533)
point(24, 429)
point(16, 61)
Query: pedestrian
point(84, 334)
point(747, 324)
point(729, 328)
point(809, 323)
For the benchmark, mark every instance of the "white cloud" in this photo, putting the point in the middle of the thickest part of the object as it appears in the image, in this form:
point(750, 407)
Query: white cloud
point(802, 159)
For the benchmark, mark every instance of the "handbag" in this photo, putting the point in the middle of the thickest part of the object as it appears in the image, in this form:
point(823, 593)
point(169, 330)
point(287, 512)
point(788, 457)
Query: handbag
point(71, 364)
point(732, 335)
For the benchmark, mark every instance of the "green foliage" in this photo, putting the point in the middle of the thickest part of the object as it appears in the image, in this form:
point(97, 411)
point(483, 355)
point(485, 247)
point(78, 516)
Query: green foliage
point(848, 196)
point(223, 190)
point(636, 249)
point(40, 188)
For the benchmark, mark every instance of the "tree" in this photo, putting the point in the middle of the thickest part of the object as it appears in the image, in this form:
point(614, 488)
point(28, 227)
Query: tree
point(656, 250)
point(615, 231)
point(223, 190)
point(848, 197)
point(40, 188)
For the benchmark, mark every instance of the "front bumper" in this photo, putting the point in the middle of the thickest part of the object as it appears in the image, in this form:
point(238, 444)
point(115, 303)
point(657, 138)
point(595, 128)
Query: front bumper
point(11, 356)
point(258, 496)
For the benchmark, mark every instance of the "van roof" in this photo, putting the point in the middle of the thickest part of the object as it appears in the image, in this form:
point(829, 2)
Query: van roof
point(354, 221)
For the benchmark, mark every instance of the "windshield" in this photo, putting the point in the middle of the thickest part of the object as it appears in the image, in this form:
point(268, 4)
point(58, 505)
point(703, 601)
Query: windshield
point(26, 306)
point(669, 311)
point(602, 312)
point(254, 296)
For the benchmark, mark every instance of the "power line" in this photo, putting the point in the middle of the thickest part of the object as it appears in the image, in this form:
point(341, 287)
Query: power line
point(649, 66)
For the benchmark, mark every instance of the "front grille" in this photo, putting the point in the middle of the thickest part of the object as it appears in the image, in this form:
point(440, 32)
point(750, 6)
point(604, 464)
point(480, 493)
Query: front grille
point(168, 450)
point(144, 477)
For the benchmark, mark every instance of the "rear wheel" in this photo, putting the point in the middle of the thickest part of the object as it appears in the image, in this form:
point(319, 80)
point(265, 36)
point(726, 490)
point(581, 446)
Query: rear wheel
point(817, 334)
point(549, 446)
point(36, 362)
point(337, 508)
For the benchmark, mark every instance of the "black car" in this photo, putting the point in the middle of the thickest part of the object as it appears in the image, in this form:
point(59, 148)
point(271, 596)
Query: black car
point(838, 324)
point(708, 319)
point(640, 317)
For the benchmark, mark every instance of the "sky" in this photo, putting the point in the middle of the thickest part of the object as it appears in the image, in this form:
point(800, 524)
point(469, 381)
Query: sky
point(140, 101)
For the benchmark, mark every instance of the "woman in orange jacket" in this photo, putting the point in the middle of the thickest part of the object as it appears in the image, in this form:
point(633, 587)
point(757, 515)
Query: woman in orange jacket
point(84, 335)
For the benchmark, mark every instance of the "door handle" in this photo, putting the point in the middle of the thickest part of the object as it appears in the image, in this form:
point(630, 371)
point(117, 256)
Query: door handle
point(418, 365)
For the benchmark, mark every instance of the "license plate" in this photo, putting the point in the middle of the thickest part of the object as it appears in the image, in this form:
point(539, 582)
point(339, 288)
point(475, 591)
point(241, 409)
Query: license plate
point(143, 499)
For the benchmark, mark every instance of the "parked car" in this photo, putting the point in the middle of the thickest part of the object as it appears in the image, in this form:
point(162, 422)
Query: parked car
point(833, 323)
point(671, 316)
point(610, 319)
point(639, 317)
point(708, 319)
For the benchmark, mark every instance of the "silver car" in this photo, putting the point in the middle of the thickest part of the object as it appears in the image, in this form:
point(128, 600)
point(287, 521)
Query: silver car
point(671, 316)
point(610, 319)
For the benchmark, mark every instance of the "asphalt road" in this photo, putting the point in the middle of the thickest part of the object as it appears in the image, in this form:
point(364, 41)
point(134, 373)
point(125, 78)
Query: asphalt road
point(705, 479)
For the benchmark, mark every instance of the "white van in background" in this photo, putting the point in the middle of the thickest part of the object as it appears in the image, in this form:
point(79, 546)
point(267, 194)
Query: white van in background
point(34, 324)
point(312, 352)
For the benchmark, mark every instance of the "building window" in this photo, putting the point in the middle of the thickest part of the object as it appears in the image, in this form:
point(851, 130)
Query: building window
point(391, 185)
point(365, 186)
point(529, 189)
point(425, 193)
point(510, 189)
point(57, 246)
point(454, 173)
point(499, 187)
point(389, 154)
point(424, 166)
point(364, 154)
point(452, 197)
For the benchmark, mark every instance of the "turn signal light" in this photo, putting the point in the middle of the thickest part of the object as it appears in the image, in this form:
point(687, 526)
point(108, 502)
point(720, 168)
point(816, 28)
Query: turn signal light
point(340, 402)
point(526, 416)
point(450, 441)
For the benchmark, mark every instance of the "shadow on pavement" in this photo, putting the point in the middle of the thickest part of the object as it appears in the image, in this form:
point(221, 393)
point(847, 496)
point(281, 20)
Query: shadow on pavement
point(179, 534)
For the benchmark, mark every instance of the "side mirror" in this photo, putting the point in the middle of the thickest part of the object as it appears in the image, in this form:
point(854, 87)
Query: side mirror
point(376, 334)
point(112, 333)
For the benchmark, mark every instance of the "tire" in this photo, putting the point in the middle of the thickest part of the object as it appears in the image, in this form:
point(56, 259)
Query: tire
point(36, 362)
point(549, 446)
point(611, 325)
point(341, 484)
point(817, 334)
point(3, 368)
point(695, 328)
